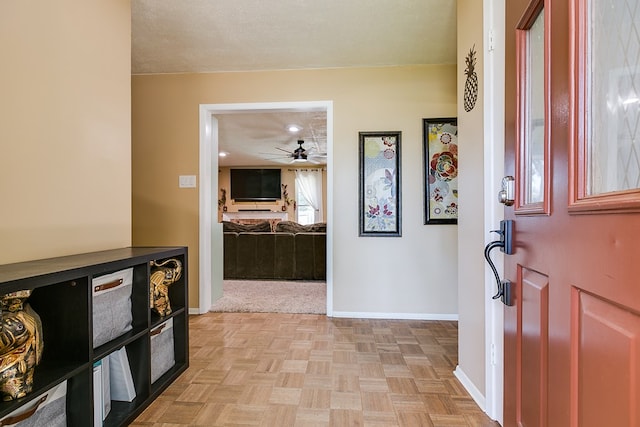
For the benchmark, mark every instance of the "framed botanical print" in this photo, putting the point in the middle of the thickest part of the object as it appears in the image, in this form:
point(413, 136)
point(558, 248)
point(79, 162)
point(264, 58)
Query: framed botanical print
point(440, 170)
point(379, 156)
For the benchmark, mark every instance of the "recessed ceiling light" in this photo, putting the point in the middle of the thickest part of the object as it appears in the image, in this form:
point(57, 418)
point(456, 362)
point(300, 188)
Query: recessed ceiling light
point(294, 128)
point(222, 154)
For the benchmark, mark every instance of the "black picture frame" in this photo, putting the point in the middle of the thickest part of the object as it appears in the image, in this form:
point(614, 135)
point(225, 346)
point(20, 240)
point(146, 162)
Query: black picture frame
point(440, 149)
point(380, 199)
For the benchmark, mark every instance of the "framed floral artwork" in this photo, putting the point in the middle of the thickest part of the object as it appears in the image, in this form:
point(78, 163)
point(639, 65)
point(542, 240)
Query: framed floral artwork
point(440, 170)
point(379, 156)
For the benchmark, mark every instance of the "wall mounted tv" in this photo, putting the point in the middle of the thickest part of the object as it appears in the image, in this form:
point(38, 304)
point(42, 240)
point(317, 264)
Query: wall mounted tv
point(255, 184)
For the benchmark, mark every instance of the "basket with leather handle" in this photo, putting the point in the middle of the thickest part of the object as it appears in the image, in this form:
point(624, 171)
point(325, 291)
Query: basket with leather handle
point(48, 409)
point(111, 307)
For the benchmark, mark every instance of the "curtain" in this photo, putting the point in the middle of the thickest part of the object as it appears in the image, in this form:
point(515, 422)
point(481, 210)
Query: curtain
point(309, 182)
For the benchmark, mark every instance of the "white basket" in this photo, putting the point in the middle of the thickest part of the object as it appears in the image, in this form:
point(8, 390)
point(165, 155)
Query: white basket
point(162, 350)
point(112, 315)
point(48, 409)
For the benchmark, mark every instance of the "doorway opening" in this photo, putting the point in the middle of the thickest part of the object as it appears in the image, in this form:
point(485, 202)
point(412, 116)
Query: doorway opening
point(211, 234)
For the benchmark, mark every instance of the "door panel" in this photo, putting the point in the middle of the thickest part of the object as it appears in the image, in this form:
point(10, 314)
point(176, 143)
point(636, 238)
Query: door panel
point(572, 336)
point(607, 344)
point(534, 337)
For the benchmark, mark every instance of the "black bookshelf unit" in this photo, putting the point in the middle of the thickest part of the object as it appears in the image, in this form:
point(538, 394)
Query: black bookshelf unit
point(62, 297)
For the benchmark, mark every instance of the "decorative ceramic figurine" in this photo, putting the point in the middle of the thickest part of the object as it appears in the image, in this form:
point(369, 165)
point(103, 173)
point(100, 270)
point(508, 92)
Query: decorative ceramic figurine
point(161, 277)
point(14, 301)
point(21, 345)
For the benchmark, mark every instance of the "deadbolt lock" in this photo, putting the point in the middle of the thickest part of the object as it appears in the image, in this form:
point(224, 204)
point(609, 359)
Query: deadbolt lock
point(506, 196)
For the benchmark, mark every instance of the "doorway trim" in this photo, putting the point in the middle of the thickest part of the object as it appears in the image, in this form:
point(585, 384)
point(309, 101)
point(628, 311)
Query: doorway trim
point(210, 231)
point(494, 36)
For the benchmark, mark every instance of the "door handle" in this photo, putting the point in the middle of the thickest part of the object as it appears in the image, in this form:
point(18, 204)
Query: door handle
point(507, 196)
point(506, 245)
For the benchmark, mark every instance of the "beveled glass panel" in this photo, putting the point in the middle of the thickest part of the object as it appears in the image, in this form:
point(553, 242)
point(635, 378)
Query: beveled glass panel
point(613, 96)
point(534, 141)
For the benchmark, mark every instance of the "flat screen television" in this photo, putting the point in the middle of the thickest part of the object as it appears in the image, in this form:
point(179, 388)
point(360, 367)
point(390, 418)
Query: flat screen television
point(255, 184)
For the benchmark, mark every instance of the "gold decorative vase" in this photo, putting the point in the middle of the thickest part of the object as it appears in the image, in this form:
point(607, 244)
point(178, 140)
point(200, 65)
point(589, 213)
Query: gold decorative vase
point(163, 274)
point(21, 345)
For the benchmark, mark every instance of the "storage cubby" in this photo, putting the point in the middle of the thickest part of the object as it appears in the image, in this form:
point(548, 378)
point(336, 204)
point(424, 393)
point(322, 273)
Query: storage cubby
point(66, 331)
point(139, 358)
point(62, 297)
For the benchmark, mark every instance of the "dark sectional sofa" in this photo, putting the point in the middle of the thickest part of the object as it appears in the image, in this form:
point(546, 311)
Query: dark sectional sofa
point(282, 251)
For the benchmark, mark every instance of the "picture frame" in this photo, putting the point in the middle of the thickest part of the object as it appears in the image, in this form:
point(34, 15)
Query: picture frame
point(440, 148)
point(379, 187)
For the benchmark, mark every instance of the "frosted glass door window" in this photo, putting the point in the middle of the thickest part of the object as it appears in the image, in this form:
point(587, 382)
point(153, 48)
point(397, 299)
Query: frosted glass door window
point(613, 96)
point(534, 141)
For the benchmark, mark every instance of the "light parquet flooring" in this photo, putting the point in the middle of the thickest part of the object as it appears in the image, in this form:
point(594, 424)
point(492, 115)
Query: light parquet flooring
point(279, 370)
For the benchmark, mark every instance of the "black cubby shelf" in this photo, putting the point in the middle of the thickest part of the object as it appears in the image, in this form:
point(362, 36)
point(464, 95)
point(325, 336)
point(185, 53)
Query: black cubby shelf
point(62, 297)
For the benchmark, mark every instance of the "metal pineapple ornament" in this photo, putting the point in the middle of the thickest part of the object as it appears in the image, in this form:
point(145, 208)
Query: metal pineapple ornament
point(471, 84)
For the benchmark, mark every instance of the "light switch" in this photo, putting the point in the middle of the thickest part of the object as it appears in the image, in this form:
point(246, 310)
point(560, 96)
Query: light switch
point(187, 181)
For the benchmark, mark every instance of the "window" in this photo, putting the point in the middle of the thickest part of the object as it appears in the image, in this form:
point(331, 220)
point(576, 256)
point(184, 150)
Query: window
point(305, 214)
point(308, 196)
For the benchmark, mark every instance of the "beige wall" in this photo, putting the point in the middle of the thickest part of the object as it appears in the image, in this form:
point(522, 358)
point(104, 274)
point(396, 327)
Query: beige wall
point(65, 127)
point(414, 274)
point(471, 294)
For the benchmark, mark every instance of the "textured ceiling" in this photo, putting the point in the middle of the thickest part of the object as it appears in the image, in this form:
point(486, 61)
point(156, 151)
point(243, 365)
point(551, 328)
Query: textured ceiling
point(203, 36)
point(170, 36)
point(250, 139)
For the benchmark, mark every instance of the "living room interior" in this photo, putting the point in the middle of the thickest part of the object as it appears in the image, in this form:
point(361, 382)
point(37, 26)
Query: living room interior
point(272, 233)
point(121, 134)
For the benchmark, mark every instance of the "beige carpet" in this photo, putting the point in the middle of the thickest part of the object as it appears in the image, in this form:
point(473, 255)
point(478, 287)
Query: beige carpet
point(272, 297)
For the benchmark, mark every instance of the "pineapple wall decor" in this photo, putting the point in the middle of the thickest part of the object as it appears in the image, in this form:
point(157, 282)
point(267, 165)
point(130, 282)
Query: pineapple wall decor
point(471, 84)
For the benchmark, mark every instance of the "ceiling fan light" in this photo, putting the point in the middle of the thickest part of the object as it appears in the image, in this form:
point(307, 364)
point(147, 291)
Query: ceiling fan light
point(299, 154)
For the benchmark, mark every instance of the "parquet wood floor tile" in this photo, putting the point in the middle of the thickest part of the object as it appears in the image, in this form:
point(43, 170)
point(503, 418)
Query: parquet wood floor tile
point(280, 370)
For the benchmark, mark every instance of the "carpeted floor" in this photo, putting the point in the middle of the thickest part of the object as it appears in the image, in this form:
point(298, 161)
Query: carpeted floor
point(253, 296)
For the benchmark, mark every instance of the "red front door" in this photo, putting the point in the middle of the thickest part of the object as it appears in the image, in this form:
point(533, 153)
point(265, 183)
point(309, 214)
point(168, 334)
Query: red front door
point(572, 335)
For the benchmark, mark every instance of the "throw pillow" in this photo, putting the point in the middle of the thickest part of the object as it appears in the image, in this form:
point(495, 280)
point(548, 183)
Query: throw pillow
point(239, 228)
point(294, 227)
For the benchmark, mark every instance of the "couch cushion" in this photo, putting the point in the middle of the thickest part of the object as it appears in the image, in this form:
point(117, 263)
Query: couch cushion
point(240, 228)
point(256, 255)
point(310, 256)
point(284, 267)
point(230, 250)
point(294, 227)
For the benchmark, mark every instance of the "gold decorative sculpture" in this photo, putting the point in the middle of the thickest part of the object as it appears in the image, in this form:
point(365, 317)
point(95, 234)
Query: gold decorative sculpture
point(21, 345)
point(162, 276)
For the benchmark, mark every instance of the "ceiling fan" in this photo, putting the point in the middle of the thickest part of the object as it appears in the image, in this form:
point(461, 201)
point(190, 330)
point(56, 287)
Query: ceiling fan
point(301, 154)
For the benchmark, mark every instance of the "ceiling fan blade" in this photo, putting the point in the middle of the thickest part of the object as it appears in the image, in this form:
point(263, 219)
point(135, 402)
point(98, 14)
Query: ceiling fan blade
point(277, 159)
point(282, 149)
point(315, 150)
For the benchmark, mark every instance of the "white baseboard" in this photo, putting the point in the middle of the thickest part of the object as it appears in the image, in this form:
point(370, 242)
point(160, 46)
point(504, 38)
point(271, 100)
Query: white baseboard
point(477, 396)
point(396, 316)
point(369, 315)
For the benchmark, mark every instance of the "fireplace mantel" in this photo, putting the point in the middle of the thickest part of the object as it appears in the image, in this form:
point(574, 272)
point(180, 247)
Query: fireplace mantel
point(254, 215)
